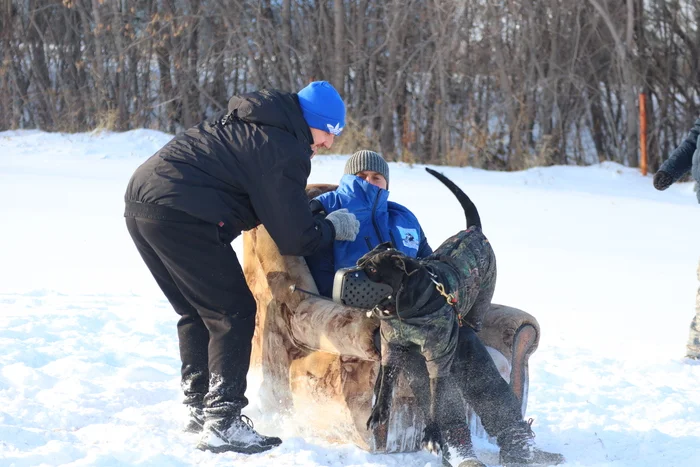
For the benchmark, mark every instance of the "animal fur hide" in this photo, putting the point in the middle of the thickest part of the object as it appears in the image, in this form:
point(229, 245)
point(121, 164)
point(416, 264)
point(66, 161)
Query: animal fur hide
point(318, 358)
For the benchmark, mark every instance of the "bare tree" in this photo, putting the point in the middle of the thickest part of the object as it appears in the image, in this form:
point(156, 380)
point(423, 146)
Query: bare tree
point(501, 84)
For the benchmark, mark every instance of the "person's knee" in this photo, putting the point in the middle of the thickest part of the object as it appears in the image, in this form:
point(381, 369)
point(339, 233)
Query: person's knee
point(236, 305)
point(245, 307)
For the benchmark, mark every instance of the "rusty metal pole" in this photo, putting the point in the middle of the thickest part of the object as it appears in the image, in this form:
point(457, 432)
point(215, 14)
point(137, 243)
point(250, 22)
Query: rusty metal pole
point(643, 132)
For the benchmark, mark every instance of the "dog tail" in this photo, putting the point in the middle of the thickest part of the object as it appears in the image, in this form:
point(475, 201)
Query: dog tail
point(467, 204)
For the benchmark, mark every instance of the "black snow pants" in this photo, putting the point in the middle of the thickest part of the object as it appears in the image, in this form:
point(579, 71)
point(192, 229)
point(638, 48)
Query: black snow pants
point(203, 281)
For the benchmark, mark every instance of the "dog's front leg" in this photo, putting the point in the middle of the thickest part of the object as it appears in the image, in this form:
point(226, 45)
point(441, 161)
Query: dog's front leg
point(383, 390)
point(432, 439)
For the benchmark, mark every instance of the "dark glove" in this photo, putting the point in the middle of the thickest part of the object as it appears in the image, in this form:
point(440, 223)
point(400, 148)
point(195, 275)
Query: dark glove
point(346, 224)
point(662, 180)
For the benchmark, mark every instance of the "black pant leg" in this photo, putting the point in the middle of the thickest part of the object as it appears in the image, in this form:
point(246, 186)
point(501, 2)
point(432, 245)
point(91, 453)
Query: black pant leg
point(207, 273)
point(484, 388)
point(192, 334)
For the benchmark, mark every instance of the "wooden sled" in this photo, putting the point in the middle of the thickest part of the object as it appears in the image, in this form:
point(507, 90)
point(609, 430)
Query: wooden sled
point(319, 362)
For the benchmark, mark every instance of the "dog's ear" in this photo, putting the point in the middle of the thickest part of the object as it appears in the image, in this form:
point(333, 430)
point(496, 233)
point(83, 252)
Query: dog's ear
point(370, 254)
point(406, 263)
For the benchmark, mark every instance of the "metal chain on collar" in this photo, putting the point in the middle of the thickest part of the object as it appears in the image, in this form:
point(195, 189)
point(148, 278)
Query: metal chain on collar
point(449, 298)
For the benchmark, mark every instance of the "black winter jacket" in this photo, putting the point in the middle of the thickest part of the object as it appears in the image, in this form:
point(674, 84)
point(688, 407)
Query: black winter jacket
point(685, 157)
point(237, 170)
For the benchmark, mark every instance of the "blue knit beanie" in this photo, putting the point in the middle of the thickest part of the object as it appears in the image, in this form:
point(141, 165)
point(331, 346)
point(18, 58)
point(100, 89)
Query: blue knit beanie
point(322, 106)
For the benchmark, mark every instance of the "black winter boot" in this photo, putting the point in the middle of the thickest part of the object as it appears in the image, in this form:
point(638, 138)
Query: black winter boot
point(459, 451)
point(234, 433)
point(518, 448)
point(195, 422)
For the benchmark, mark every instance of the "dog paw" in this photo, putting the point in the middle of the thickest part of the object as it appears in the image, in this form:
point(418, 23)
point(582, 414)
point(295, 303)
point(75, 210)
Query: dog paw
point(432, 439)
point(379, 416)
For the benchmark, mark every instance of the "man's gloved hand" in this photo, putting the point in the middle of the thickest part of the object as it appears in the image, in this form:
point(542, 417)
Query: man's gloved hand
point(662, 180)
point(346, 224)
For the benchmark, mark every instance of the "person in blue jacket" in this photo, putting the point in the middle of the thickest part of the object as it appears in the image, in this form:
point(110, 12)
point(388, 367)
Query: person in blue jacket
point(363, 192)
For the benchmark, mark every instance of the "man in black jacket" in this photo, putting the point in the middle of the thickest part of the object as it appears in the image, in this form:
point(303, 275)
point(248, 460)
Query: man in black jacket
point(185, 205)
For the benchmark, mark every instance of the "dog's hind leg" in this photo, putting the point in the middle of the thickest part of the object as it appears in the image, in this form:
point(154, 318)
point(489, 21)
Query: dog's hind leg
point(483, 387)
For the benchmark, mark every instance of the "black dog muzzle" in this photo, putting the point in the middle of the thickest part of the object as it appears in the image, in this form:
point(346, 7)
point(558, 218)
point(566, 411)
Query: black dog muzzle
point(352, 287)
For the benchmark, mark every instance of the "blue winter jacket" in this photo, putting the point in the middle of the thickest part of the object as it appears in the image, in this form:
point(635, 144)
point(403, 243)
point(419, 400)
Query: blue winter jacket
point(380, 221)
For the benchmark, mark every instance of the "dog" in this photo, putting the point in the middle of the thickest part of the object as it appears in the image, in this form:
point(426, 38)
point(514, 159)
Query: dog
point(430, 299)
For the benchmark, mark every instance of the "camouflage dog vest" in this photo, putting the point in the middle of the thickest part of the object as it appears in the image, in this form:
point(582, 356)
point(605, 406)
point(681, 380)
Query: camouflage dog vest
point(466, 265)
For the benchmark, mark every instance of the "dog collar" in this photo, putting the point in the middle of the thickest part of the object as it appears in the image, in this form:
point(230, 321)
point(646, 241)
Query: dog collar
point(449, 298)
point(439, 286)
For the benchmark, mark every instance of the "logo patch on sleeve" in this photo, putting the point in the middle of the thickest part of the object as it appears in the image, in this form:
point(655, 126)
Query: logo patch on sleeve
point(409, 237)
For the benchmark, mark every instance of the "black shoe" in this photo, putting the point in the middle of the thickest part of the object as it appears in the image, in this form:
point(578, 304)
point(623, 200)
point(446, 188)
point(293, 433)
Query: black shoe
point(518, 448)
point(459, 451)
point(234, 433)
point(195, 421)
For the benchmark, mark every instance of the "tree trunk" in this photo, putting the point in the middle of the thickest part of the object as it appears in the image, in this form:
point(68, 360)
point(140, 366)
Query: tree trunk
point(339, 52)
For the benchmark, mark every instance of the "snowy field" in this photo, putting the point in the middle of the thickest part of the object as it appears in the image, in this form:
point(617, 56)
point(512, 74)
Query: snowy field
point(89, 366)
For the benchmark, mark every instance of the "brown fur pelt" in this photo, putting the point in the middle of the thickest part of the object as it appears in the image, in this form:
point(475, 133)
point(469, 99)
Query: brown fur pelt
point(318, 359)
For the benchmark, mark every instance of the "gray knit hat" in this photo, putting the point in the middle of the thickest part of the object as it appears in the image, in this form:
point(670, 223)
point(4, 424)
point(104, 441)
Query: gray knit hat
point(367, 160)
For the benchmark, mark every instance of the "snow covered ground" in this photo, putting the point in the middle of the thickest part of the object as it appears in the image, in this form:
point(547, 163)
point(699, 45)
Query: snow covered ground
point(89, 363)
